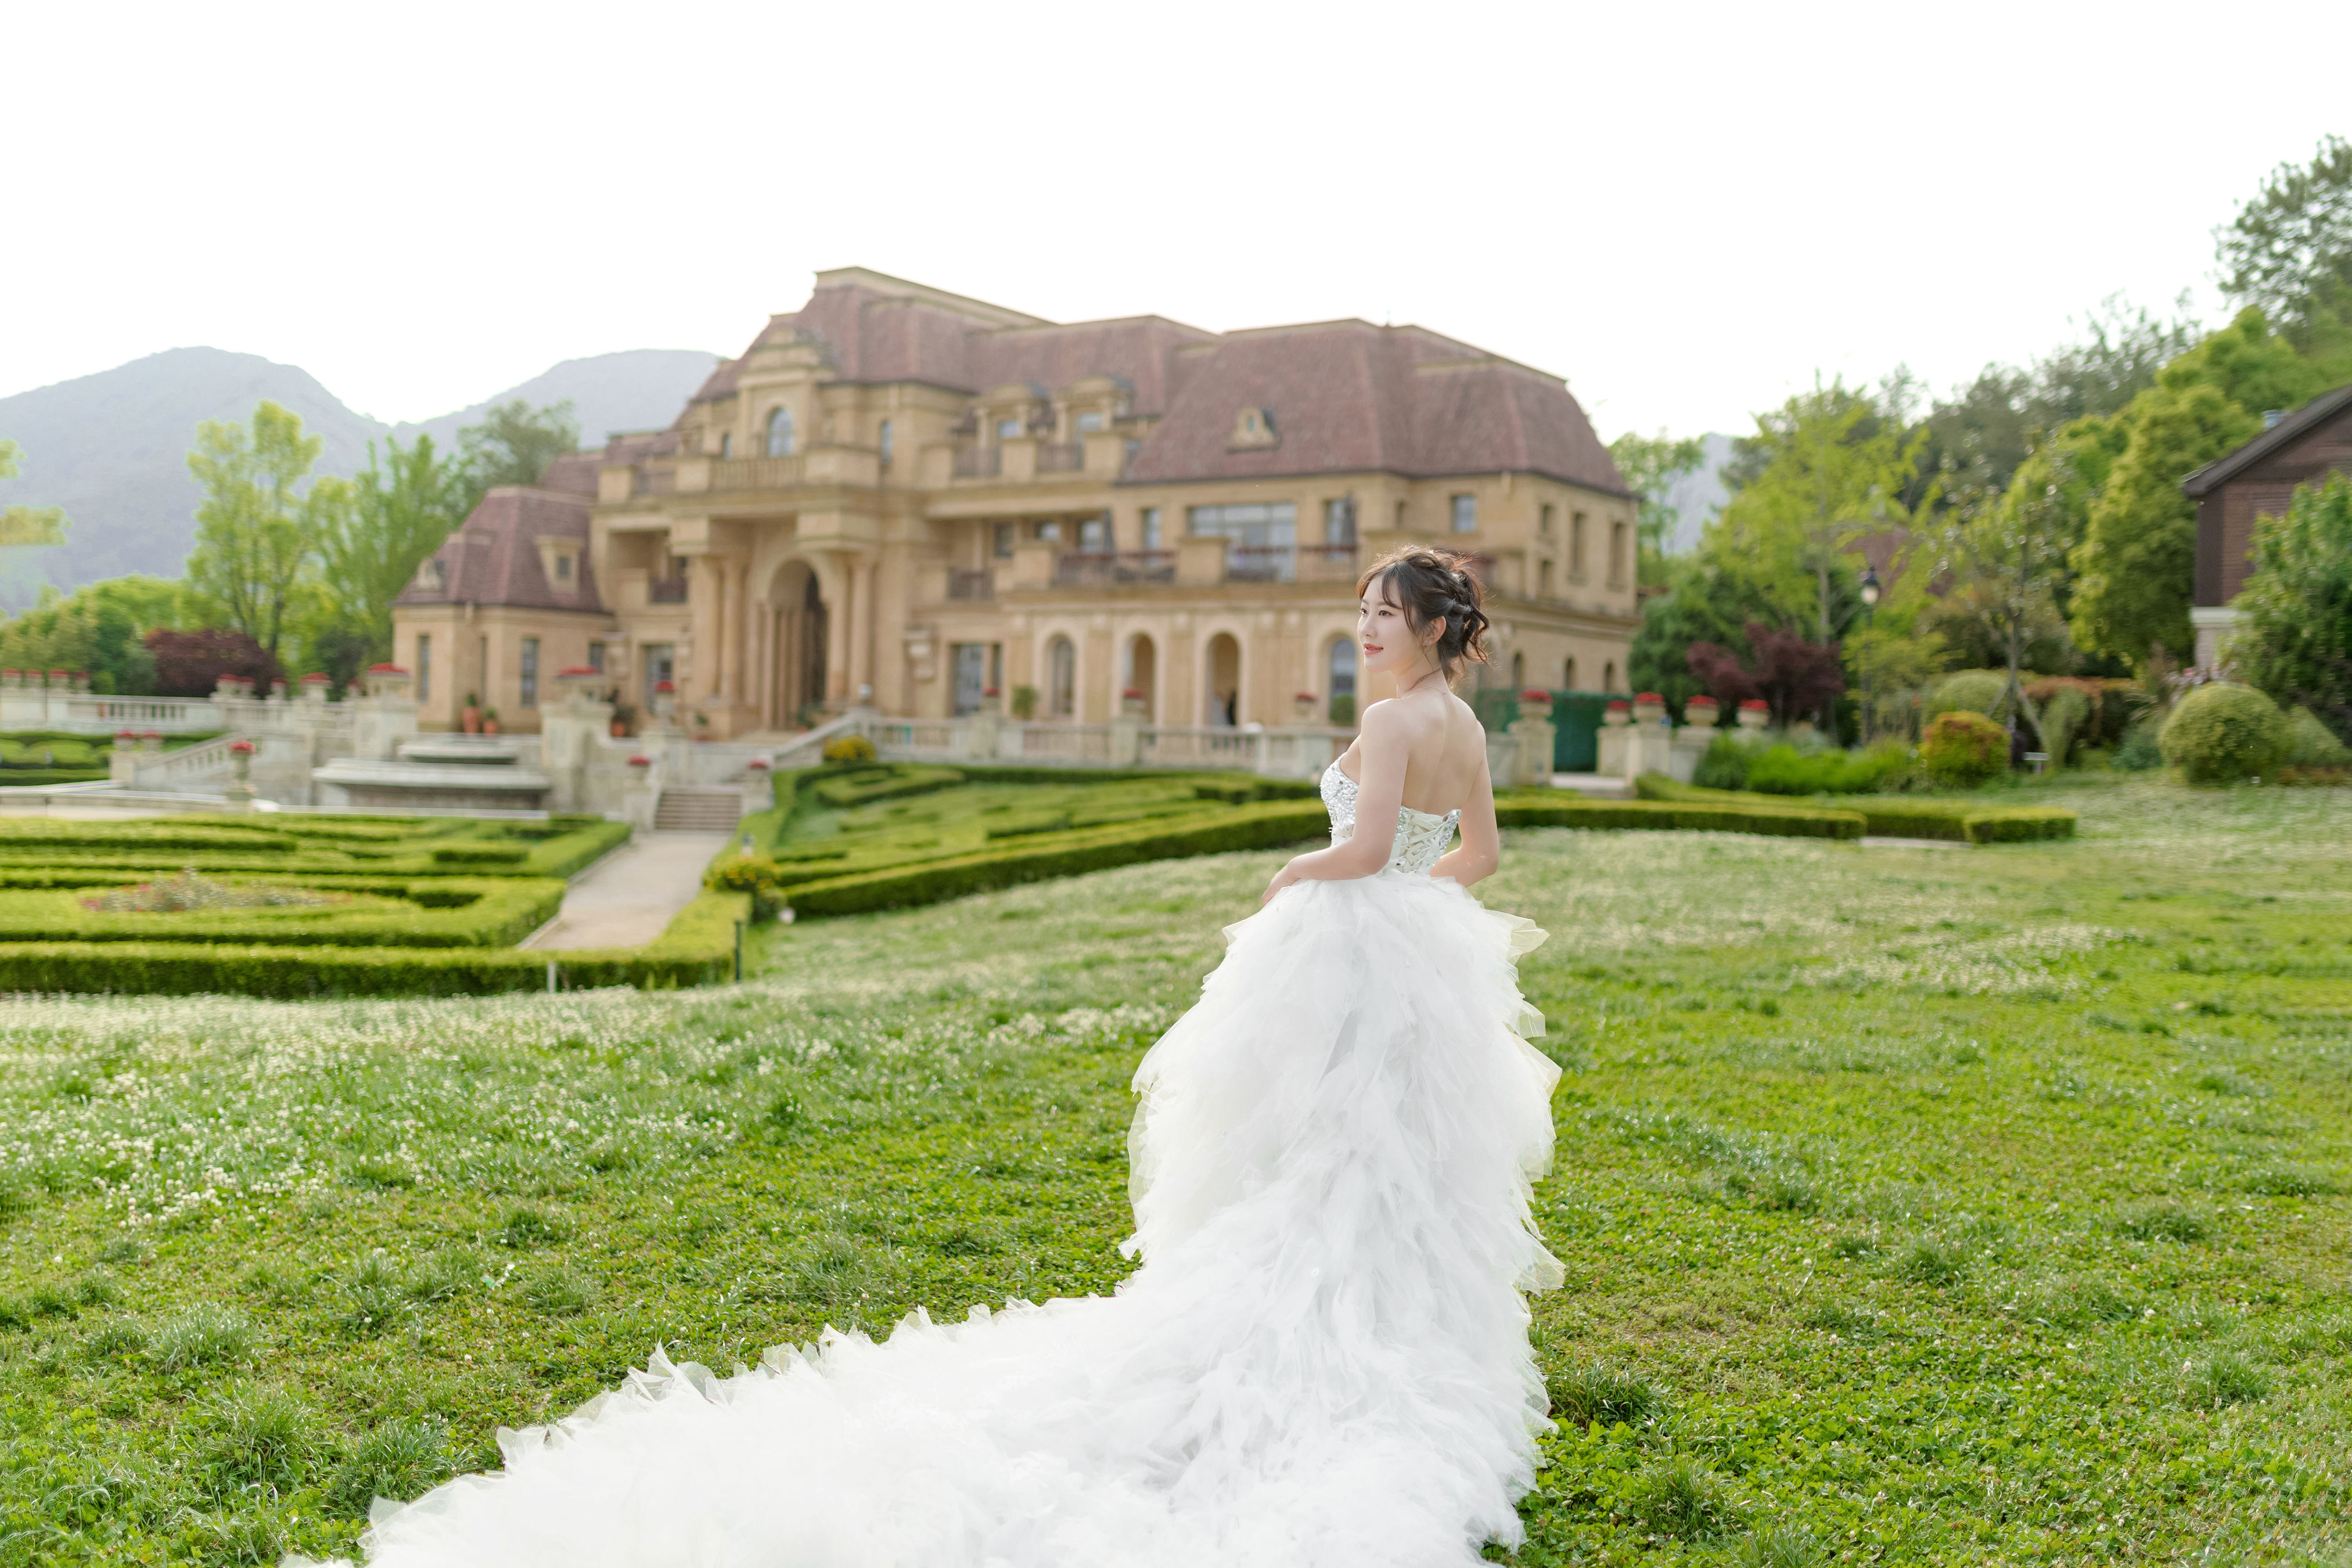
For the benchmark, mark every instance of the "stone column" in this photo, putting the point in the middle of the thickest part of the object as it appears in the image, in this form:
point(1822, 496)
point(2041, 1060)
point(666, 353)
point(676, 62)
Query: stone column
point(861, 630)
point(838, 609)
point(711, 633)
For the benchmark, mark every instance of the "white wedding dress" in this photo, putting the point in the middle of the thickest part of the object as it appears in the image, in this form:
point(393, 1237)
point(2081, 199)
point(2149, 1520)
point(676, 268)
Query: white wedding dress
point(1322, 1361)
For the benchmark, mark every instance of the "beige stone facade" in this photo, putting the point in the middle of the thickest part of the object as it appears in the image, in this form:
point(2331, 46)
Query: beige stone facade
point(901, 496)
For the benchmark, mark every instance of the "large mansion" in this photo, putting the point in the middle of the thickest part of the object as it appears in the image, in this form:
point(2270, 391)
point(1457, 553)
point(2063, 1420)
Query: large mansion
point(911, 499)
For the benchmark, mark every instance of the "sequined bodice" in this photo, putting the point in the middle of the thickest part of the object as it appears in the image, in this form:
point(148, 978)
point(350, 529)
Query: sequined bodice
point(1421, 838)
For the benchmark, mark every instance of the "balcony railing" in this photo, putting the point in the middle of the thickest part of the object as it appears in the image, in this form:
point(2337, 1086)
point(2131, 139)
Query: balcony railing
point(755, 473)
point(1291, 563)
point(666, 591)
point(654, 482)
point(1100, 568)
point(1061, 457)
point(979, 463)
point(973, 583)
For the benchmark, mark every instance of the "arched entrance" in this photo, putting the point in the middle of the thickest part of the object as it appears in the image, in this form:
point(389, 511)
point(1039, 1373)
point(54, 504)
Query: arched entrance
point(1142, 674)
point(1224, 686)
point(796, 682)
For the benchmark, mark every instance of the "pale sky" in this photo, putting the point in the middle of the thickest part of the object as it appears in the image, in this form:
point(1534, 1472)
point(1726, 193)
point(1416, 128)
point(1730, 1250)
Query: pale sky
point(1685, 210)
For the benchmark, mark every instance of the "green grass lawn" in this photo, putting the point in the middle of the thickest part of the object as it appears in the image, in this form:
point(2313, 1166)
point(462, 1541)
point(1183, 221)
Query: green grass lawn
point(1952, 1205)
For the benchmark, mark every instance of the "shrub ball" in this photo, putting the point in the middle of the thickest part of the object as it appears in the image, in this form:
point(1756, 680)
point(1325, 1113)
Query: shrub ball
point(2222, 734)
point(849, 749)
point(1968, 691)
point(1963, 749)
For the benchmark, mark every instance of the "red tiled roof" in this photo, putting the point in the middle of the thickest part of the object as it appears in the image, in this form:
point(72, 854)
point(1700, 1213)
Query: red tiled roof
point(494, 559)
point(1350, 396)
point(1344, 396)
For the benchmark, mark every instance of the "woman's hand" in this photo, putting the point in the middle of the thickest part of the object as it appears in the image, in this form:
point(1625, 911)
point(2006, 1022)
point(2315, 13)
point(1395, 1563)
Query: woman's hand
point(1282, 879)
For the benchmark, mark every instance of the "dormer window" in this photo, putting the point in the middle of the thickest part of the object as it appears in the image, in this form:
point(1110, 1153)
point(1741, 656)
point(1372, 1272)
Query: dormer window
point(780, 433)
point(1009, 429)
point(563, 571)
point(433, 578)
point(1252, 430)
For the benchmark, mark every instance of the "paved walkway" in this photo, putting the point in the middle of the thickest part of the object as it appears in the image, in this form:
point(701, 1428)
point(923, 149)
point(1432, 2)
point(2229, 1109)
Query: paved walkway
point(625, 899)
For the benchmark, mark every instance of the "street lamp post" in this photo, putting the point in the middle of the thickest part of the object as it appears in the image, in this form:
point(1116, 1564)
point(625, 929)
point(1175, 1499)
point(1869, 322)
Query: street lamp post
point(1869, 606)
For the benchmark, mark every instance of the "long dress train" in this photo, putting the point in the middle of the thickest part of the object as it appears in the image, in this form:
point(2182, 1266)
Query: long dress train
point(1322, 1363)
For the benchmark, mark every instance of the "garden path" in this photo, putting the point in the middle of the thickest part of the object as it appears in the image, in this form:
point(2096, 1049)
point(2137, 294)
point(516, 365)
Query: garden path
point(625, 899)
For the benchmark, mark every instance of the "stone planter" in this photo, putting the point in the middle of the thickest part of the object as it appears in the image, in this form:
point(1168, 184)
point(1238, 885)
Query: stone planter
point(1702, 712)
point(1754, 714)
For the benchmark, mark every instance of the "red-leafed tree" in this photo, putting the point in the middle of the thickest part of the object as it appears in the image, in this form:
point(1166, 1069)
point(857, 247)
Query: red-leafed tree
point(1796, 676)
point(190, 664)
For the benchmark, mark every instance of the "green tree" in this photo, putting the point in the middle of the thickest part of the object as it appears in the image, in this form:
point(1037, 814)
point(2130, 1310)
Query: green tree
point(26, 524)
point(1650, 465)
point(512, 446)
point(2004, 559)
point(2289, 254)
point(255, 564)
point(398, 511)
point(1834, 467)
point(1707, 600)
point(2137, 561)
point(2295, 642)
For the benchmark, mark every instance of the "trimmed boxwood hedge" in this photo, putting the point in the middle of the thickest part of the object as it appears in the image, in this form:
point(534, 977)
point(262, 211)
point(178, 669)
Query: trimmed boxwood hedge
point(697, 949)
point(1897, 816)
point(488, 913)
point(1265, 826)
point(1764, 816)
point(290, 845)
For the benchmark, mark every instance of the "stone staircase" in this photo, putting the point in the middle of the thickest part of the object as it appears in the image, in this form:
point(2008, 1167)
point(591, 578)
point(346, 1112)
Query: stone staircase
point(698, 810)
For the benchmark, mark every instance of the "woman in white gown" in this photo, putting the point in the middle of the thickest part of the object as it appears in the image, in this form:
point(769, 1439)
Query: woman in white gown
point(1322, 1361)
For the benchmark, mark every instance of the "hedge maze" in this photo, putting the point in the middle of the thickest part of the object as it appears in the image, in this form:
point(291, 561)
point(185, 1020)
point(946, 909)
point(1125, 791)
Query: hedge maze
point(372, 906)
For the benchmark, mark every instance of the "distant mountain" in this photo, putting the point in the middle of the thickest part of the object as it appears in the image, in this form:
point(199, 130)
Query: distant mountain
point(1698, 495)
point(641, 389)
point(112, 449)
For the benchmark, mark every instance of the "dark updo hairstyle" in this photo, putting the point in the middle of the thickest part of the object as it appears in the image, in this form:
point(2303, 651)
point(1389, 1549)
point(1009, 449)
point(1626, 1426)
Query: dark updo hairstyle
point(1432, 585)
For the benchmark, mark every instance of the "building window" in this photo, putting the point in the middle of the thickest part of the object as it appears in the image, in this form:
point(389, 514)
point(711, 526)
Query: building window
point(564, 568)
point(1464, 510)
point(596, 656)
point(1543, 579)
point(1543, 521)
point(1609, 676)
point(1061, 677)
point(1260, 537)
point(1576, 547)
point(1342, 664)
point(780, 433)
point(1090, 424)
point(1008, 429)
point(971, 662)
point(726, 445)
point(1568, 677)
point(659, 667)
point(1617, 555)
point(1339, 520)
point(423, 666)
point(1003, 542)
point(1151, 528)
point(884, 442)
point(531, 672)
point(1050, 532)
point(1518, 672)
point(1400, 514)
point(1094, 534)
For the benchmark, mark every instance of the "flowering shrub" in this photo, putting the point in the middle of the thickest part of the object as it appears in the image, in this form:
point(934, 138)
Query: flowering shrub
point(1963, 749)
point(849, 749)
point(190, 890)
point(757, 875)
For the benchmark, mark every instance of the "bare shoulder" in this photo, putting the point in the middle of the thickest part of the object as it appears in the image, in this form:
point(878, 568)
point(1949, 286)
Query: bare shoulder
point(1390, 720)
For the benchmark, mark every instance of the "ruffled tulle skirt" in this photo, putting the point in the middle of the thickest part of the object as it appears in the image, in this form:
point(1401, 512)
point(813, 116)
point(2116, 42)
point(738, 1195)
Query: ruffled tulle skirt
point(1322, 1363)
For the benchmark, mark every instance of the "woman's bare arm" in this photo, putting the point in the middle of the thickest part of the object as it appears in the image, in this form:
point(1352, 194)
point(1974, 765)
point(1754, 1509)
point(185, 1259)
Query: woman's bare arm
point(1482, 841)
point(1382, 748)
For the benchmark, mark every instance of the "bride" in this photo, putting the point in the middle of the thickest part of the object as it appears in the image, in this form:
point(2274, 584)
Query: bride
point(1322, 1361)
